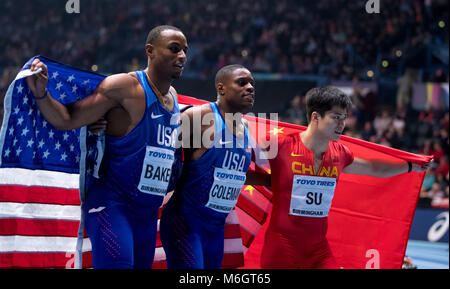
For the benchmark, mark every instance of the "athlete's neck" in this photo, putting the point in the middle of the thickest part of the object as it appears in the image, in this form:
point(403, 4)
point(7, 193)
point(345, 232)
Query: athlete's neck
point(160, 85)
point(314, 142)
point(224, 108)
point(232, 118)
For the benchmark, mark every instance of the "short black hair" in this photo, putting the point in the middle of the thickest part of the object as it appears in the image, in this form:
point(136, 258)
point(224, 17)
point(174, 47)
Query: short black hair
point(227, 70)
point(154, 34)
point(322, 99)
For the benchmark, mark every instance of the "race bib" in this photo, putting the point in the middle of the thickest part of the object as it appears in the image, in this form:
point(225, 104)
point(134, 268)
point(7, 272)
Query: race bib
point(311, 196)
point(156, 171)
point(225, 190)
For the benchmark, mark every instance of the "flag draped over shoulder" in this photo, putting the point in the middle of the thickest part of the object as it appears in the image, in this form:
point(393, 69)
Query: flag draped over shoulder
point(42, 174)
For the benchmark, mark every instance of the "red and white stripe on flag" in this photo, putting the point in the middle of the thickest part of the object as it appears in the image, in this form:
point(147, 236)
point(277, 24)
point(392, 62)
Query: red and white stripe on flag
point(39, 222)
point(39, 219)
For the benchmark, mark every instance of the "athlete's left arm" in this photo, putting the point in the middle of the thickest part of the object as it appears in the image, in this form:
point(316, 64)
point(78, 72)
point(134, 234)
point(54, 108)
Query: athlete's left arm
point(381, 169)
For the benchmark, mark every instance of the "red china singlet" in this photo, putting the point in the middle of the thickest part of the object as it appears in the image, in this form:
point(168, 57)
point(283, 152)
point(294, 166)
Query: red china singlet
point(296, 236)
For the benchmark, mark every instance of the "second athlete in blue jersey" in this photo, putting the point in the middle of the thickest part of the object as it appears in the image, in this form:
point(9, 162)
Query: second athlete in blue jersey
point(193, 221)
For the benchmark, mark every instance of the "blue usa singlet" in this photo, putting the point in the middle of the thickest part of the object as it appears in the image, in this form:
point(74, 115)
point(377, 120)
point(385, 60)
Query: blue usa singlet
point(192, 224)
point(121, 209)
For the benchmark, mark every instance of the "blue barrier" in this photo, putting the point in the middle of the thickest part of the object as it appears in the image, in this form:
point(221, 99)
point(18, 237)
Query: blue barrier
point(430, 225)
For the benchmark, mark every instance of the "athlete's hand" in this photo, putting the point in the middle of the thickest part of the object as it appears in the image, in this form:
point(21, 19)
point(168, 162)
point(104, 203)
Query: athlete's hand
point(98, 126)
point(38, 82)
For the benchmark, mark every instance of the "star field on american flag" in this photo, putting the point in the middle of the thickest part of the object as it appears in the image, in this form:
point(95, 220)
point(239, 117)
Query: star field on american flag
point(29, 140)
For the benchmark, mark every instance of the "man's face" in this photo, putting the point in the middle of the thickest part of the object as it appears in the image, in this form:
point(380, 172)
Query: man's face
point(239, 90)
point(332, 124)
point(169, 53)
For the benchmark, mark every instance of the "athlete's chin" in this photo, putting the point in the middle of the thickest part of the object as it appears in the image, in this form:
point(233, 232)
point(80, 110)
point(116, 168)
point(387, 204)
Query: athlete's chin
point(176, 75)
point(336, 136)
point(247, 108)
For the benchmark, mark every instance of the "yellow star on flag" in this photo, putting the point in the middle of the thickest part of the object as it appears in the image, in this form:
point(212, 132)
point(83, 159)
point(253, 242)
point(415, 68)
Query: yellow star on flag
point(276, 131)
point(250, 189)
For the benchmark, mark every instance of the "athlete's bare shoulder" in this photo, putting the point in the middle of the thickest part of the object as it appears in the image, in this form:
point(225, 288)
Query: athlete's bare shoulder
point(123, 79)
point(200, 110)
point(119, 85)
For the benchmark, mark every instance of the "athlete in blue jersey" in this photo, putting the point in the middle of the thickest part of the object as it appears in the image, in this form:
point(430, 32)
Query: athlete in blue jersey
point(214, 171)
point(121, 208)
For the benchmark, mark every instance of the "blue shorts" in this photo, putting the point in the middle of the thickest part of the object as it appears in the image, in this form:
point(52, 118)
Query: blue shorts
point(120, 237)
point(191, 241)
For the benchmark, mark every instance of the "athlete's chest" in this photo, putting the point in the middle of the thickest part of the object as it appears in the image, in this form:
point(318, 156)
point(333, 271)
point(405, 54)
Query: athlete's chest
point(301, 161)
point(233, 159)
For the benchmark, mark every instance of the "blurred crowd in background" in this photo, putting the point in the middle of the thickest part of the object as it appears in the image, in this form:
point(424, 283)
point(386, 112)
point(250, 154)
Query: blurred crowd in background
point(337, 39)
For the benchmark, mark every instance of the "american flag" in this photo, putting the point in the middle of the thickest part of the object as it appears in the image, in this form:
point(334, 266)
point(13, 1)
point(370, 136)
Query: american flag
point(28, 140)
point(39, 172)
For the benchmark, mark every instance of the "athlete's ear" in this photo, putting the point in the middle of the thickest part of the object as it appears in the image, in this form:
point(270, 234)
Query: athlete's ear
point(314, 116)
point(149, 50)
point(220, 88)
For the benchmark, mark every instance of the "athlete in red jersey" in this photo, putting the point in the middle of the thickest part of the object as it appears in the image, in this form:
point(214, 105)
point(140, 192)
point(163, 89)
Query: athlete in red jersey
point(304, 176)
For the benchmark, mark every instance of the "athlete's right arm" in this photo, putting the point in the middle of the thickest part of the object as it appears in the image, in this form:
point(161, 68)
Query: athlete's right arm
point(82, 112)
